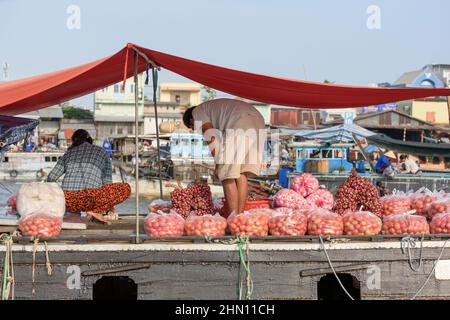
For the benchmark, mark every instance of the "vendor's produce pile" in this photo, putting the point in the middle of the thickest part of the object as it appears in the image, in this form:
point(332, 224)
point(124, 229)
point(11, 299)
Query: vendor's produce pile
point(196, 198)
point(306, 208)
point(357, 192)
point(41, 207)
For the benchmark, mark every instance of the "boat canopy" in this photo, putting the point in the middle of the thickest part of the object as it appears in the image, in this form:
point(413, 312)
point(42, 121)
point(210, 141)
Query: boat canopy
point(410, 147)
point(341, 133)
point(37, 92)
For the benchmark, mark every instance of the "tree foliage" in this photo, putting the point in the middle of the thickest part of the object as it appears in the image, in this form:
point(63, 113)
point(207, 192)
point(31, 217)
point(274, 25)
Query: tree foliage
point(210, 94)
point(76, 113)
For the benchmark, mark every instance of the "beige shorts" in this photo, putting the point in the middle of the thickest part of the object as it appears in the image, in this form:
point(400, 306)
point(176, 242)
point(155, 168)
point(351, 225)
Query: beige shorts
point(242, 149)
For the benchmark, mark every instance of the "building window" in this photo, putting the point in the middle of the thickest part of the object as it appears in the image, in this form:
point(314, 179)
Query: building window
point(116, 88)
point(105, 89)
point(177, 99)
point(47, 159)
point(54, 159)
point(119, 130)
point(431, 117)
point(6, 159)
point(130, 129)
point(132, 88)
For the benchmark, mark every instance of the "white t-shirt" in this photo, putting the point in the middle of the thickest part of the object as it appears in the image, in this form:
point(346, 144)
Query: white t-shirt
point(411, 166)
point(223, 113)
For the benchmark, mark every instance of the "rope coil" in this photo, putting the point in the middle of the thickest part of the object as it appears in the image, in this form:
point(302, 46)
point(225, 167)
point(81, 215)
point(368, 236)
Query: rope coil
point(406, 244)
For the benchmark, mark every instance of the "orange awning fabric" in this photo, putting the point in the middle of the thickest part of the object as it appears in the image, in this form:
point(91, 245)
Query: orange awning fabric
point(41, 91)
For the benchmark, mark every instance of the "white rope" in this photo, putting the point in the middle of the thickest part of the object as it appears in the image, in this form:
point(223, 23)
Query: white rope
point(332, 268)
point(431, 273)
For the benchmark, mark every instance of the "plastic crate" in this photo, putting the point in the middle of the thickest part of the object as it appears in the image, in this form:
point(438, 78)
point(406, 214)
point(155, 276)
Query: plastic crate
point(255, 203)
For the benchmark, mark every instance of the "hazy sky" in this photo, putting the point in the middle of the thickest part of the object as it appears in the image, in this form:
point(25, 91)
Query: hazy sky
point(330, 38)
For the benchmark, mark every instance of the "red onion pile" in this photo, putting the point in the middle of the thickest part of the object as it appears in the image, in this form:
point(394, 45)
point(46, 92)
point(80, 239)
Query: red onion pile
point(196, 198)
point(357, 192)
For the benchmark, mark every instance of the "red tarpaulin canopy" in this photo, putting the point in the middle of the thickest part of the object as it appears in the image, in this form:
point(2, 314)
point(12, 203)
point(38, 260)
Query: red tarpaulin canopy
point(41, 91)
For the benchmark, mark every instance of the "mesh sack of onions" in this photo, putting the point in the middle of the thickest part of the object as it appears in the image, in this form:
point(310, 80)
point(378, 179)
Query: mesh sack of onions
point(440, 224)
point(321, 198)
point(440, 206)
point(396, 203)
point(160, 205)
point(288, 198)
point(361, 223)
point(322, 222)
point(254, 224)
point(304, 184)
point(40, 225)
point(356, 192)
point(164, 224)
point(293, 223)
point(422, 203)
point(208, 225)
point(405, 223)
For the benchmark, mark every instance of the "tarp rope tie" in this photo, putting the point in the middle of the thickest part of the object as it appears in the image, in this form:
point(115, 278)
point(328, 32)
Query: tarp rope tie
point(47, 260)
point(332, 268)
point(8, 268)
point(406, 244)
point(244, 268)
point(33, 267)
point(244, 263)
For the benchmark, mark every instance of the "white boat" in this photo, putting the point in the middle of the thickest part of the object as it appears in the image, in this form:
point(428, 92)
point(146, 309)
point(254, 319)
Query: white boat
point(28, 165)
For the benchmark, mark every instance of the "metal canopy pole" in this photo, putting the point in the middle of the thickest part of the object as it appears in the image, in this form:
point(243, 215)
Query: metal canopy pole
point(155, 105)
point(136, 140)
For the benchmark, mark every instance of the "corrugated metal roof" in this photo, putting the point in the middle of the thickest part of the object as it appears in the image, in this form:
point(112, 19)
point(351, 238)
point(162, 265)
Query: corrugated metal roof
point(408, 77)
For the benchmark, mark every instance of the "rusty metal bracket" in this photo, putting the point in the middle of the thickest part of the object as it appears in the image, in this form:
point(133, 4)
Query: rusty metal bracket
point(321, 271)
point(115, 270)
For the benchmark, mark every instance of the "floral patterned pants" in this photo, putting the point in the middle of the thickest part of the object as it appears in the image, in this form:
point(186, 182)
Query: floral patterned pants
point(99, 200)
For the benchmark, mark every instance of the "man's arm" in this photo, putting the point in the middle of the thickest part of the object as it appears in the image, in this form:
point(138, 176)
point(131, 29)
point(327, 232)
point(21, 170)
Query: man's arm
point(57, 171)
point(205, 127)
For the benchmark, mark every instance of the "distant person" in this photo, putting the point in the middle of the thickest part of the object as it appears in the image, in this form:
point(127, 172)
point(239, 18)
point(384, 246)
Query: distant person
point(384, 166)
point(382, 190)
point(87, 182)
point(284, 155)
point(408, 165)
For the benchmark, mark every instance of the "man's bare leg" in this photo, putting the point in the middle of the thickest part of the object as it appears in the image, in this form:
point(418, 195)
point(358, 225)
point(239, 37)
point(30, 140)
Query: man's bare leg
point(242, 186)
point(231, 194)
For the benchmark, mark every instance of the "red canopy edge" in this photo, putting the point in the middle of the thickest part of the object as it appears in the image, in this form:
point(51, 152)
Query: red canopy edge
point(41, 91)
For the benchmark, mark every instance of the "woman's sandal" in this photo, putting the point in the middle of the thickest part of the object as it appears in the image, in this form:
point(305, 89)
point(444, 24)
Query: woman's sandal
point(97, 216)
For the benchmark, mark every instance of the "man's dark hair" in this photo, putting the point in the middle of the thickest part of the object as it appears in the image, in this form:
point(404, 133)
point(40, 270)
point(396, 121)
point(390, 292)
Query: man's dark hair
point(187, 116)
point(403, 157)
point(80, 136)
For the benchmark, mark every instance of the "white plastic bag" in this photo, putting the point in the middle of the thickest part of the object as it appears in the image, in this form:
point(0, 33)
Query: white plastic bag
point(44, 198)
